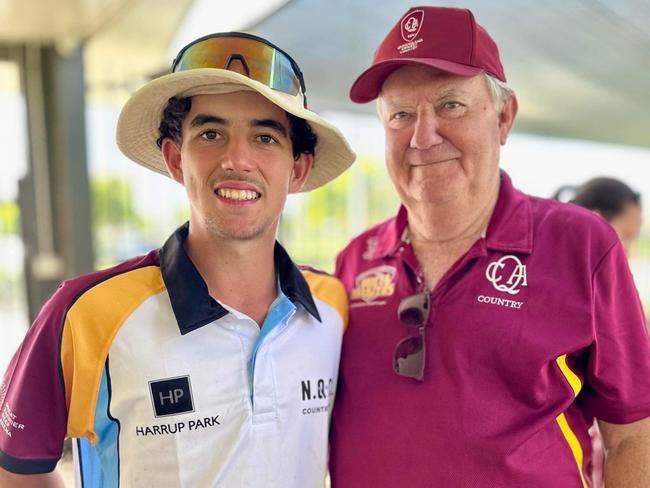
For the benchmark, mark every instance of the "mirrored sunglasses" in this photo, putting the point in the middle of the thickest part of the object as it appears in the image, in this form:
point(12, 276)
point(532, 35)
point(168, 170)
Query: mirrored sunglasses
point(260, 60)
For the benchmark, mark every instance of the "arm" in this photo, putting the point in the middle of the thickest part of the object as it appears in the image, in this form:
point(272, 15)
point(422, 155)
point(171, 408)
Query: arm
point(627, 446)
point(47, 480)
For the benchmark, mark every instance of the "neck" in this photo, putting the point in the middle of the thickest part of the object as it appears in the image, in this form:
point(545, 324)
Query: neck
point(445, 224)
point(239, 273)
point(442, 233)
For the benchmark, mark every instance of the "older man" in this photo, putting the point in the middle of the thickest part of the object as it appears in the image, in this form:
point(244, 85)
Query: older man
point(487, 327)
point(213, 360)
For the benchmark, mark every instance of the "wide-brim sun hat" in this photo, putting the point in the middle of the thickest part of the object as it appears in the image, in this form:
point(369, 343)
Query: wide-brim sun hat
point(139, 120)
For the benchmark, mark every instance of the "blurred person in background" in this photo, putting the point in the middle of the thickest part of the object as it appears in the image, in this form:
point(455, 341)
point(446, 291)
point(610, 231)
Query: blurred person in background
point(488, 328)
point(619, 205)
point(616, 202)
point(211, 361)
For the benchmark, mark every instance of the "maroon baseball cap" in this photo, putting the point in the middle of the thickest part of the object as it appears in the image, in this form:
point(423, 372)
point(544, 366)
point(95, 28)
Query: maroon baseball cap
point(448, 39)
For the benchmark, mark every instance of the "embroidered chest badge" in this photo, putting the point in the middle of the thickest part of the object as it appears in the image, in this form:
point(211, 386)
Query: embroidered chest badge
point(507, 275)
point(507, 266)
point(372, 284)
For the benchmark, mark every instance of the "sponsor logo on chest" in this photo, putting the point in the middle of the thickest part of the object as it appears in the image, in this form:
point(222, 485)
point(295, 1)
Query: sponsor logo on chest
point(316, 394)
point(171, 397)
point(372, 285)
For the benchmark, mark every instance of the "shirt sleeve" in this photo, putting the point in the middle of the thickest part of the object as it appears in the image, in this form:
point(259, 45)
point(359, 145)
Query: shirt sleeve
point(618, 366)
point(33, 413)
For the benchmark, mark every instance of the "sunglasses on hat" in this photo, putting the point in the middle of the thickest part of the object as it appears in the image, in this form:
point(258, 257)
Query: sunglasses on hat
point(261, 60)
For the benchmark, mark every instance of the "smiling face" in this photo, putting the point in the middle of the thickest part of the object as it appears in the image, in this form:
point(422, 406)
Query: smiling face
point(442, 136)
point(236, 163)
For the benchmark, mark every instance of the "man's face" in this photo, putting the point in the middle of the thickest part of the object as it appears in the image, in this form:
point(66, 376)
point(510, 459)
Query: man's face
point(236, 163)
point(442, 136)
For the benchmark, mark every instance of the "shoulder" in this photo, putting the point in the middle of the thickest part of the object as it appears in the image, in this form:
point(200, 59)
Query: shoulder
point(326, 288)
point(141, 273)
point(566, 224)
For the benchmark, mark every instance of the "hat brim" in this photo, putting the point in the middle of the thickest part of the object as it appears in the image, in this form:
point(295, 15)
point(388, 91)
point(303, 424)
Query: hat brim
point(368, 84)
point(137, 126)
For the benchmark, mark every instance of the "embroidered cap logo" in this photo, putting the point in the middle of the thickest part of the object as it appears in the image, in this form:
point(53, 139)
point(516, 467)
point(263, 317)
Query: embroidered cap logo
point(411, 25)
point(496, 272)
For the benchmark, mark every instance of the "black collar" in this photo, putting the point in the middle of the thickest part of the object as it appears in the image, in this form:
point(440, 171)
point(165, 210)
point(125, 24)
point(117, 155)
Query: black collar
point(192, 304)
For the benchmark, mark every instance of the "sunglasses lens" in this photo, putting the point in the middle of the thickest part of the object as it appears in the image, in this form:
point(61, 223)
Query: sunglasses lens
point(413, 310)
point(260, 61)
point(409, 357)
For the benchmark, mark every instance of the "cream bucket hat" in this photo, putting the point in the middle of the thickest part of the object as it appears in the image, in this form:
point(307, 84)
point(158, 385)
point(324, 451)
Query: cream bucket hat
point(137, 127)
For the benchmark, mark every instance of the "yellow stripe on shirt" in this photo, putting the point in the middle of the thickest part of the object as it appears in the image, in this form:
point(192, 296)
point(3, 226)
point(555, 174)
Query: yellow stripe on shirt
point(570, 376)
point(574, 444)
point(88, 332)
point(569, 435)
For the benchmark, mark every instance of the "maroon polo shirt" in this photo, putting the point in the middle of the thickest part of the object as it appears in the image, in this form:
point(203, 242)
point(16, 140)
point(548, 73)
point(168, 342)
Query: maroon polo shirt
point(537, 329)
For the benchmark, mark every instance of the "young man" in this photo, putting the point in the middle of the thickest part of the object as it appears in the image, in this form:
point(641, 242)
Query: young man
point(487, 328)
point(213, 360)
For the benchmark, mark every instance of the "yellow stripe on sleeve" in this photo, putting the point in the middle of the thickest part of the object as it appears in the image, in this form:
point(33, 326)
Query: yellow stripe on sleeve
point(330, 290)
point(88, 332)
point(570, 376)
point(574, 444)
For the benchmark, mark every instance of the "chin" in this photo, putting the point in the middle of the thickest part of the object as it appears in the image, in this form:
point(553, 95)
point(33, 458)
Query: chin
point(436, 193)
point(236, 231)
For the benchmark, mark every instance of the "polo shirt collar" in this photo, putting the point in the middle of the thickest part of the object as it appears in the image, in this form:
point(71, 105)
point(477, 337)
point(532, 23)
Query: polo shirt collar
point(511, 225)
point(192, 304)
point(393, 236)
point(510, 228)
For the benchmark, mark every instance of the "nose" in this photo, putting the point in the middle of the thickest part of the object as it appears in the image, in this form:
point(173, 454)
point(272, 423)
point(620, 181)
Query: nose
point(426, 130)
point(237, 156)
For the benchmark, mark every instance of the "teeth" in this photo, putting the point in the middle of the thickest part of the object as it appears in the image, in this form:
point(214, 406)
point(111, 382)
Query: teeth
point(237, 194)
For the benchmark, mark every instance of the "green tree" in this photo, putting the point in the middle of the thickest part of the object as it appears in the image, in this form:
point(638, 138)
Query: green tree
point(113, 203)
point(9, 213)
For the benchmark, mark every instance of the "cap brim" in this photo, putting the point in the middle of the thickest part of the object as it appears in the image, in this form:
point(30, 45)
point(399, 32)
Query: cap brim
point(368, 84)
point(137, 126)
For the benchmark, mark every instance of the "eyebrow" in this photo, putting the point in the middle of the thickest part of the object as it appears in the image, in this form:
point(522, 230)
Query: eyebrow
point(270, 124)
point(203, 119)
point(452, 92)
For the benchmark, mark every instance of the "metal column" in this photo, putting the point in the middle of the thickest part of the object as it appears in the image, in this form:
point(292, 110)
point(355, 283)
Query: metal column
point(54, 196)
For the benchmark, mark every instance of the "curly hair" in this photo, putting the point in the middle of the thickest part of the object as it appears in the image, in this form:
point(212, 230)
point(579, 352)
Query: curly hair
point(303, 139)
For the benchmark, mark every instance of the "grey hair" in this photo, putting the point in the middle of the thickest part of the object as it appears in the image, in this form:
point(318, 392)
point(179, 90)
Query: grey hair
point(499, 91)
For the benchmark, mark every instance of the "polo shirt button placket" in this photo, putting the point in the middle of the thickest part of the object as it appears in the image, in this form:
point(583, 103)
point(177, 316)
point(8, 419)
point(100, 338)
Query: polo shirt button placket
point(264, 401)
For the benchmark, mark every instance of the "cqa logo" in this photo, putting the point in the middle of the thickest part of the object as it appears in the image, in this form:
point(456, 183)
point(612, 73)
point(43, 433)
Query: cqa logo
point(507, 266)
point(411, 25)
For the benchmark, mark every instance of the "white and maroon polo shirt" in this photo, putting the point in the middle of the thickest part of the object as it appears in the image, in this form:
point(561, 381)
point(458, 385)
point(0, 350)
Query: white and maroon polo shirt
point(164, 386)
point(537, 329)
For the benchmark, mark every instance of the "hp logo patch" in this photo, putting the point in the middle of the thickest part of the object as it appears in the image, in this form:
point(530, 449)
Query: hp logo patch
point(171, 396)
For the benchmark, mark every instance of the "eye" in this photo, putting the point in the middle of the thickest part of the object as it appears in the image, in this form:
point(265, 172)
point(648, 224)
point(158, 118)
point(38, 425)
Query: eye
point(398, 115)
point(452, 105)
point(266, 139)
point(209, 134)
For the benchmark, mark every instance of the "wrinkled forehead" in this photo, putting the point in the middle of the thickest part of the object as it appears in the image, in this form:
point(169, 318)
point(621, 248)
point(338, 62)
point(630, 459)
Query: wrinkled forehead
point(406, 81)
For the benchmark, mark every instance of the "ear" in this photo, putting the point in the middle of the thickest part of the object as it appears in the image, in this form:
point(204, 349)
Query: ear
point(507, 118)
point(301, 168)
point(171, 153)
